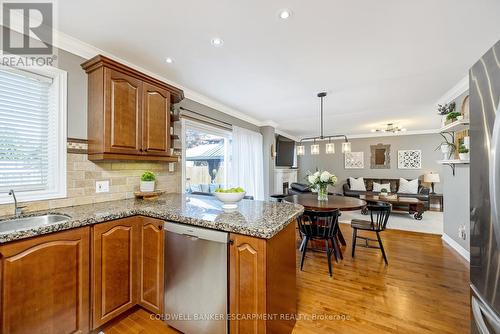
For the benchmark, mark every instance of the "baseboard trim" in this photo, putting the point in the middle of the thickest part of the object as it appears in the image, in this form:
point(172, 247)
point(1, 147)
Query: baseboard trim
point(456, 246)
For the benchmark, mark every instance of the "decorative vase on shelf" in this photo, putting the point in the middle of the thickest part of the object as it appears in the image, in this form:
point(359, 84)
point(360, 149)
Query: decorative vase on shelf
point(464, 156)
point(322, 192)
point(446, 150)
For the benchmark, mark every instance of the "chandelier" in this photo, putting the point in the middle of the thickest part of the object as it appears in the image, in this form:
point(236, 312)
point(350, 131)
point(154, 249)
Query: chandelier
point(390, 127)
point(330, 146)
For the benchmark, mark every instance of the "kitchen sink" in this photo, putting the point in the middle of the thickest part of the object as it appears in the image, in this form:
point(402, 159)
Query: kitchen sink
point(31, 222)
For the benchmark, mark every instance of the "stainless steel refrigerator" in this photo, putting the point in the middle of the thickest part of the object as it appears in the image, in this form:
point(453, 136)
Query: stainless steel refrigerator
point(484, 91)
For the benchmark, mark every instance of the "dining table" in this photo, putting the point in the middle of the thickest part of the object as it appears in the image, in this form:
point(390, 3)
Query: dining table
point(343, 203)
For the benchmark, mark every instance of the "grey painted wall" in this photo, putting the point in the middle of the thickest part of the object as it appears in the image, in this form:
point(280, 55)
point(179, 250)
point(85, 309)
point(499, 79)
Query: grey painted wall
point(204, 110)
point(335, 162)
point(268, 135)
point(457, 197)
point(77, 93)
point(456, 203)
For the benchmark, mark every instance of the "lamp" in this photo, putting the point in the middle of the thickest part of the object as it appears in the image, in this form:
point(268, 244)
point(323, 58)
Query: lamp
point(301, 150)
point(431, 178)
point(314, 148)
point(330, 147)
point(346, 147)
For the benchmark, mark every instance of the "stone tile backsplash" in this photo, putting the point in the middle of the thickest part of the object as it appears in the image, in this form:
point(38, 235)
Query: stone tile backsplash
point(124, 179)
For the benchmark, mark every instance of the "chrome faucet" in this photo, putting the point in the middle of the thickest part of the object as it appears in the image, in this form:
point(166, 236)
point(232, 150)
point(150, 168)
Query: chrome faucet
point(17, 210)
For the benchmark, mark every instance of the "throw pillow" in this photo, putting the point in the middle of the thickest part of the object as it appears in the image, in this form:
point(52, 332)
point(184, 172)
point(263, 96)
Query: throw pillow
point(357, 184)
point(377, 187)
point(408, 187)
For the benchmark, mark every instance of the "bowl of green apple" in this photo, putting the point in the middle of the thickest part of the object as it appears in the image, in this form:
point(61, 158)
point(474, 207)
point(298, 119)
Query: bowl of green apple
point(230, 197)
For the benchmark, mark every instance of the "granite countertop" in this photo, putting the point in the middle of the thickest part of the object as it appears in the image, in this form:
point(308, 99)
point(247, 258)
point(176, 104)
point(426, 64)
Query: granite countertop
point(255, 218)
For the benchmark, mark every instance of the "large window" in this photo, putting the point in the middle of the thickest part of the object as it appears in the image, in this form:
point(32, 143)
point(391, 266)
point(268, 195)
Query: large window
point(32, 133)
point(206, 157)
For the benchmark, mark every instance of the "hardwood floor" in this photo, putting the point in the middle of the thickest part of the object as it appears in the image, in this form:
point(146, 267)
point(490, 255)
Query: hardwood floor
point(423, 290)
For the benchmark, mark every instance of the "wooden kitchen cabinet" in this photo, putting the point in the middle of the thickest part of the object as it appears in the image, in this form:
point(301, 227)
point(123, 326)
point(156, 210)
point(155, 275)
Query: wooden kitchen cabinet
point(45, 284)
point(152, 280)
point(123, 123)
point(128, 113)
point(127, 267)
point(262, 281)
point(156, 120)
point(115, 267)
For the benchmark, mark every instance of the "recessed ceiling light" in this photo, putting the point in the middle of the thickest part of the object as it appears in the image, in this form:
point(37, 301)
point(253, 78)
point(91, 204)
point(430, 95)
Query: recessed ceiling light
point(169, 60)
point(217, 41)
point(285, 14)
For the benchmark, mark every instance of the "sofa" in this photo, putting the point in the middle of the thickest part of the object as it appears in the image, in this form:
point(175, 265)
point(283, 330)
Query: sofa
point(423, 192)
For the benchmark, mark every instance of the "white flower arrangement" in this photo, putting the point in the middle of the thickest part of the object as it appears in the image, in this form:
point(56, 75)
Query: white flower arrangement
point(321, 179)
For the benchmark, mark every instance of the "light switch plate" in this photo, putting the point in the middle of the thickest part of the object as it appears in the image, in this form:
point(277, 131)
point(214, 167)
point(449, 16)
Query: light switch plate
point(102, 186)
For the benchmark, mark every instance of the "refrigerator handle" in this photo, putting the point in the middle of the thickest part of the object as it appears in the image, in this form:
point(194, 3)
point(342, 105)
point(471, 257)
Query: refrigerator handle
point(494, 175)
point(482, 312)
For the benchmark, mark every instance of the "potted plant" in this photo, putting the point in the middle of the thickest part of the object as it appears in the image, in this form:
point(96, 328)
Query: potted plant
point(320, 181)
point(384, 192)
point(463, 152)
point(447, 146)
point(452, 116)
point(148, 182)
point(444, 110)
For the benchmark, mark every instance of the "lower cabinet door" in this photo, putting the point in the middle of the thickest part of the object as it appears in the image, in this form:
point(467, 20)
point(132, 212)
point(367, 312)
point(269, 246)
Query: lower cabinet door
point(115, 268)
point(247, 284)
point(152, 265)
point(45, 284)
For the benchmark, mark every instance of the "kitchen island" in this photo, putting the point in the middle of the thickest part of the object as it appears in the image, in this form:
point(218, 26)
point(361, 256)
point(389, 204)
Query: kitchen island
point(110, 255)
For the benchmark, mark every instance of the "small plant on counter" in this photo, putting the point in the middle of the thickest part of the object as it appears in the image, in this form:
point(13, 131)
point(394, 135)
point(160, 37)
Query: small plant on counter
point(148, 182)
point(446, 109)
point(383, 191)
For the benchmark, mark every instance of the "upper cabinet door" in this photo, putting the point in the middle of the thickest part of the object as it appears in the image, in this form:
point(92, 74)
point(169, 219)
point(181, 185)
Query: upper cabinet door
point(156, 120)
point(122, 119)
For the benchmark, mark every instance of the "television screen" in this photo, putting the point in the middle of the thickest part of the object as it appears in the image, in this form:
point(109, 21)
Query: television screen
point(285, 152)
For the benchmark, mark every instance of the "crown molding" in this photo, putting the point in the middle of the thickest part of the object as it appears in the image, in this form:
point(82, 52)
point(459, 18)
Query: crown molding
point(383, 134)
point(87, 51)
point(285, 134)
point(461, 87)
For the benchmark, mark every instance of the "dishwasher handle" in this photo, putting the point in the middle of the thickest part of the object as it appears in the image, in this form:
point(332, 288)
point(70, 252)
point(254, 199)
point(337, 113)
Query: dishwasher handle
point(195, 233)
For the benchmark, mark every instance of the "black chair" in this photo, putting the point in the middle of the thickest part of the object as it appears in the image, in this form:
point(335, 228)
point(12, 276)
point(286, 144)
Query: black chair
point(212, 194)
point(379, 214)
point(319, 225)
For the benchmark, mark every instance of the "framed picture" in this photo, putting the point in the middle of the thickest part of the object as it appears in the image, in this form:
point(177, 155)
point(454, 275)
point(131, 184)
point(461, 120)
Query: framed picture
point(409, 159)
point(354, 160)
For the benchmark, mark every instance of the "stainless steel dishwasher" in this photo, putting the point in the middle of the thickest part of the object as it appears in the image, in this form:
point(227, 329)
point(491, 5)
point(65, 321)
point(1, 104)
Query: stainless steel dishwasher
point(195, 279)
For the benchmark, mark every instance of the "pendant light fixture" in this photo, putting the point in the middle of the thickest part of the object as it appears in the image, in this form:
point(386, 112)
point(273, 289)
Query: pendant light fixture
point(330, 146)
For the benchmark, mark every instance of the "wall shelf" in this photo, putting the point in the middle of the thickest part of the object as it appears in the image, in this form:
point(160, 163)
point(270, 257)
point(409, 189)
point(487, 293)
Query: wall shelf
point(456, 126)
point(453, 162)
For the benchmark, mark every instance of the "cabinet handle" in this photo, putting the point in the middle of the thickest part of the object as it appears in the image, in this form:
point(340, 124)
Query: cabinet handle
point(160, 226)
point(231, 241)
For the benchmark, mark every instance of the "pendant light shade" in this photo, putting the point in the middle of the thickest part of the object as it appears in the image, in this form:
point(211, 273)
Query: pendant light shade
point(314, 148)
point(301, 149)
point(346, 147)
point(330, 148)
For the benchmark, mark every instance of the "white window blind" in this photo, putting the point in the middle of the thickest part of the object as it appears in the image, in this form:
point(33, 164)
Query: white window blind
point(28, 132)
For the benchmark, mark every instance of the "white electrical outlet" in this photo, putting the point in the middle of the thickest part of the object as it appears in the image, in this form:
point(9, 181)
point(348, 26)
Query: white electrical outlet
point(462, 233)
point(102, 186)
point(171, 167)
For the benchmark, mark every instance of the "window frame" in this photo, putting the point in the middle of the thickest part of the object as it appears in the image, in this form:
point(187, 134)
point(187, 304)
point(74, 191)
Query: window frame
point(210, 129)
point(58, 171)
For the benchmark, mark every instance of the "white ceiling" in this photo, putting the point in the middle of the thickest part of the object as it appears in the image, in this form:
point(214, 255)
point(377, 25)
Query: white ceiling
point(380, 61)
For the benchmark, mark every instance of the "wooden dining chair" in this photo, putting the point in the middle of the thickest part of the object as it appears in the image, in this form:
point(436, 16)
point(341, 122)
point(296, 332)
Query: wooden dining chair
point(379, 214)
point(320, 225)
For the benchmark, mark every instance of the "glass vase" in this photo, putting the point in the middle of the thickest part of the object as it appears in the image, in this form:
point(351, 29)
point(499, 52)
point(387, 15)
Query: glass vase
point(322, 192)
